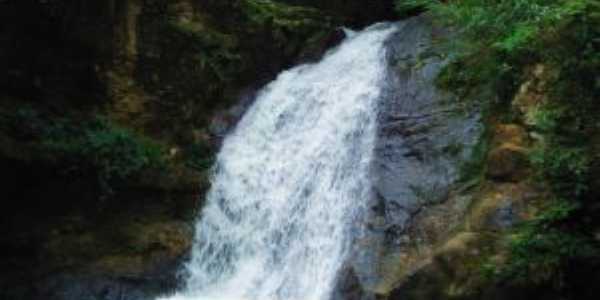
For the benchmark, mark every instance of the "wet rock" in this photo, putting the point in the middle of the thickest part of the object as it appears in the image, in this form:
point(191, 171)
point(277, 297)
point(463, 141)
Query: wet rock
point(452, 242)
point(418, 125)
point(348, 286)
point(225, 120)
point(423, 140)
point(316, 48)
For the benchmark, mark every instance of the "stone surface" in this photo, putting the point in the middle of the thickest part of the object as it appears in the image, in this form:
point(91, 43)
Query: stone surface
point(502, 206)
point(507, 163)
point(423, 140)
point(508, 158)
point(423, 136)
point(450, 245)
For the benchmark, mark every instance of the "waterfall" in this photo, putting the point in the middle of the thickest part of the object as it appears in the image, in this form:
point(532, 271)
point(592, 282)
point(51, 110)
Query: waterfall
point(292, 180)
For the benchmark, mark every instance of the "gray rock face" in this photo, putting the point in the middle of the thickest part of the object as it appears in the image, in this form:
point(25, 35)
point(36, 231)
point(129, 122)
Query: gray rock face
point(424, 137)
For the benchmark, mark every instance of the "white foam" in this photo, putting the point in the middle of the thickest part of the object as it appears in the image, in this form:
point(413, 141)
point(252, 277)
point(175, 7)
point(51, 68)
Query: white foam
point(290, 180)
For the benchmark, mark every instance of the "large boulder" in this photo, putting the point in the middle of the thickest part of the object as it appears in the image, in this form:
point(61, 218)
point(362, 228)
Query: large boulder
point(424, 138)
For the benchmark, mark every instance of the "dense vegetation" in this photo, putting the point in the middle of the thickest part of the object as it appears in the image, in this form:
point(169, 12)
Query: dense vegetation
point(496, 47)
point(93, 146)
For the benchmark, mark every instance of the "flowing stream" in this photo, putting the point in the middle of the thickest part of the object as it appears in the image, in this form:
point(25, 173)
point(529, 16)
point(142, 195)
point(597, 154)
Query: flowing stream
point(292, 181)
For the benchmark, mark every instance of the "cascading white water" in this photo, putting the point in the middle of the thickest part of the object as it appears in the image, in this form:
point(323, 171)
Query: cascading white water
point(291, 181)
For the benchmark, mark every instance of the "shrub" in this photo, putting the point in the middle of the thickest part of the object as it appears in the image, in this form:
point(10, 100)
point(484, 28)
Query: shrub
point(95, 147)
point(541, 255)
point(495, 40)
point(565, 167)
point(111, 152)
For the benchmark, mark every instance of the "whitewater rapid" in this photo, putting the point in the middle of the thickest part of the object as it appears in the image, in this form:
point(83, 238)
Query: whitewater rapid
point(292, 180)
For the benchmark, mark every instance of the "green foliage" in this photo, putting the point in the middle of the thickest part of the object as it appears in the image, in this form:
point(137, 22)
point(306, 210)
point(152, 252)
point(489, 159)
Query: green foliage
point(539, 256)
point(557, 211)
point(489, 270)
point(546, 119)
point(563, 158)
point(507, 25)
point(114, 153)
point(495, 40)
point(565, 167)
point(540, 249)
point(98, 147)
